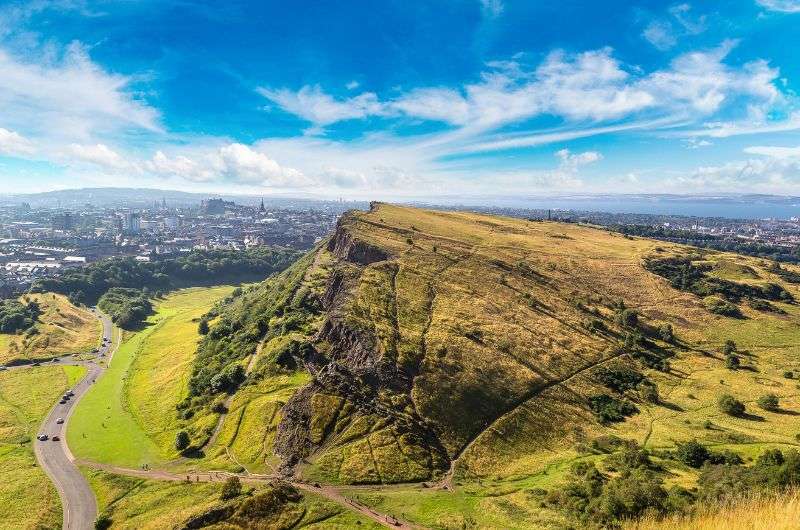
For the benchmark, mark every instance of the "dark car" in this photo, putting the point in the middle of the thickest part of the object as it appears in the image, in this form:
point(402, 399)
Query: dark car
point(56, 439)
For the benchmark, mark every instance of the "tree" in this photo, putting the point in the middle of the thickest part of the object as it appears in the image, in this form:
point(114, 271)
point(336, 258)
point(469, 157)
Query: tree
point(202, 328)
point(232, 488)
point(729, 347)
point(730, 405)
point(769, 402)
point(692, 453)
point(182, 440)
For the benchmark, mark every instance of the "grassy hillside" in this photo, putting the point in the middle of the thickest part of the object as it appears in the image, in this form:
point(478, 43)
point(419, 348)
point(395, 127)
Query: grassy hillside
point(61, 328)
point(146, 504)
point(28, 500)
point(129, 418)
point(751, 513)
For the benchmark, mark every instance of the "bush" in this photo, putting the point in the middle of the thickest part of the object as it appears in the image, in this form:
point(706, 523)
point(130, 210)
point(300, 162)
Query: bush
point(732, 362)
point(619, 378)
point(769, 402)
point(608, 409)
point(666, 333)
point(202, 327)
point(103, 522)
point(232, 488)
point(721, 307)
point(729, 347)
point(788, 374)
point(649, 392)
point(182, 440)
point(16, 316)
point(692, 453)
point(730, 405)
point(628, 318)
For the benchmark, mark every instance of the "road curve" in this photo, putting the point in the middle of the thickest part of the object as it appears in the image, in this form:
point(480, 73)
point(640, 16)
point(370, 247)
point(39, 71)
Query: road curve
point(77, 498)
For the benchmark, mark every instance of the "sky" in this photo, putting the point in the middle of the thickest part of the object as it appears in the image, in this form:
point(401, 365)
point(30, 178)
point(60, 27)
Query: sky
point(384, 99)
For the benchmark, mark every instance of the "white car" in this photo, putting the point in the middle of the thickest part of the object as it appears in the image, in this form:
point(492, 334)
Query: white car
point(60, 421)
point(42, 437)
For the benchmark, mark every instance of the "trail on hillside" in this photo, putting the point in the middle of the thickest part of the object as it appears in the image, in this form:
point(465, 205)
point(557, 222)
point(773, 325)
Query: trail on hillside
point(447, 479)
point(331, 493)
point(229, 400)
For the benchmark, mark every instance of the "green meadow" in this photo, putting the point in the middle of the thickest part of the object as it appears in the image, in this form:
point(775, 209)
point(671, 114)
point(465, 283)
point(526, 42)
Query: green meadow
point(28, 500)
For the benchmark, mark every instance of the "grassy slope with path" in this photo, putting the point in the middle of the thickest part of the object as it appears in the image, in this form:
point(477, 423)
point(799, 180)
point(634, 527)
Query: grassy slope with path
point(127, 417)
point(582, 269)
point(62, 328)
point(28, 500)
point(138, 503)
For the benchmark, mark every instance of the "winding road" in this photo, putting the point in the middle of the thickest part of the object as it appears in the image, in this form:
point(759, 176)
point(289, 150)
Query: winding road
point(77, 498)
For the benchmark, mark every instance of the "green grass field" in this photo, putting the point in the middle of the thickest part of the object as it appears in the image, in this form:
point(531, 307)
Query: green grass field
point(28, 500)
point(128, 418)
point(62, 328)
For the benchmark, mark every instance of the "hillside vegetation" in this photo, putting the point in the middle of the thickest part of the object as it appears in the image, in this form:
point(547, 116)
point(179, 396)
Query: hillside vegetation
point(51, 326)
point(502, 370)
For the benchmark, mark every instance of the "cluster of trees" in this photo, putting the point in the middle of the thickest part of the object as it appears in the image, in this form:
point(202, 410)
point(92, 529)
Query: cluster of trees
point(276, 307)
point(16, 316)
point(127, 307)
point(687, 276)
point(628, 484)
point(200, 267)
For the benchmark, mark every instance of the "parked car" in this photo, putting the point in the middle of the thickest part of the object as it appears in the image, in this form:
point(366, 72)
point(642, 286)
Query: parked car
point(42, 437)
point(60, 421)
point(56, 439)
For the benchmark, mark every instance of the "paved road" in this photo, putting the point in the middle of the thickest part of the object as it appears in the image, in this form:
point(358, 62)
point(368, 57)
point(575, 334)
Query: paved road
point(77, 498)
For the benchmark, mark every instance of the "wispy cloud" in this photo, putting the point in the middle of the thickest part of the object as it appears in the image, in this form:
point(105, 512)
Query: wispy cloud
point(664, 31)
point(783, 6)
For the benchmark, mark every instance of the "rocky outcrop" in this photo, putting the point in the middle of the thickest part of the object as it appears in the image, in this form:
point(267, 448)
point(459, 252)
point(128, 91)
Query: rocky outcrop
point(345, 246)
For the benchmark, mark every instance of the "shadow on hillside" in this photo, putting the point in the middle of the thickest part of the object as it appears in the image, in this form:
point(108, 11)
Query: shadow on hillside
point(752, 417)
point(786, 412)
point(671, 406)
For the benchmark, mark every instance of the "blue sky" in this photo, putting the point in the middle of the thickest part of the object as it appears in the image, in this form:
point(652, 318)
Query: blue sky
point(401, 99)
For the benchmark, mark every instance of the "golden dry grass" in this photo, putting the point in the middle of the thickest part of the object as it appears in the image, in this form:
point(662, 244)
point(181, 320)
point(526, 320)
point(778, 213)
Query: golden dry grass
point(753, 513)
point(62, 328)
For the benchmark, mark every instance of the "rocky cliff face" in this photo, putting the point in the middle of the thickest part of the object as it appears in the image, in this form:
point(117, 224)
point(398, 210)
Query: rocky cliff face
point(355, 375)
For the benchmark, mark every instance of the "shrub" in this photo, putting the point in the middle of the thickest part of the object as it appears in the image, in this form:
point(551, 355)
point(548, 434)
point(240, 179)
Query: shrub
point(732, 362)
point(769, 402)
point(666, 333)
point(721, 307)
point(232, 488)
point(103, 522)
point(608, 409)
point(730, 405)
point(692, 453)
point(628, 318)
point(729, 347)
point(202, 327)
point(649, 392)
point(182, 440)
point(788, 374)
point(619, 378)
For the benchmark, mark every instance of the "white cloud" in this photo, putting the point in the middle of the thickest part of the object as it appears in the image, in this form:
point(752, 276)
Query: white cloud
point(784, 6)
point(664, 32)
point(352, 85)
point(69, 96)
point(321, 109)
point(774, 151)
point(660, 34)
point(234, 162)
point(12, 143)
point(98, 154)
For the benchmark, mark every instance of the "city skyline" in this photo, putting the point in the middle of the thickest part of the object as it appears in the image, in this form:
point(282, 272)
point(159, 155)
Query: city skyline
point(411, 100)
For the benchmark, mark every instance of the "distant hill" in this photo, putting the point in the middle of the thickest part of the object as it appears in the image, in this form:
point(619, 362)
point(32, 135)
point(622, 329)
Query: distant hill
point(489, 356)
